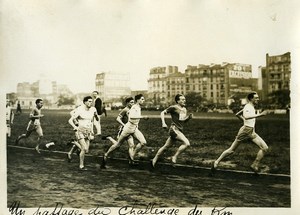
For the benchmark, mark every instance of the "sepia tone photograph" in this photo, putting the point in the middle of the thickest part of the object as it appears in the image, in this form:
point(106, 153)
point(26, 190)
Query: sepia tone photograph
point(149, 107)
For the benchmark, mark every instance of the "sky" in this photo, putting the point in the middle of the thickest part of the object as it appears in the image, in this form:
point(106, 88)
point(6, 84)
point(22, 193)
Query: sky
point(71, 41)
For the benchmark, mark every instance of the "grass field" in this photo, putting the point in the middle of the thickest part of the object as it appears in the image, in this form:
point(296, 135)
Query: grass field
point(209, 134)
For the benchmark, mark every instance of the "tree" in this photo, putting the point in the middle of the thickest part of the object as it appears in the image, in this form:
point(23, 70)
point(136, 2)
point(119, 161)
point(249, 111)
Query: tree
point(47, 102)
point(12, 97)
point(194, 100)
point(279, 98)
point(65, 100)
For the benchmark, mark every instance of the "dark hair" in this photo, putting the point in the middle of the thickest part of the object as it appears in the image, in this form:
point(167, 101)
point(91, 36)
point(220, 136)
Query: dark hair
point(251, 95)
point(95, 91)
point(177, 97)
point(137, 97)
point(38, 101)
point(127, 100)
point(87, 98)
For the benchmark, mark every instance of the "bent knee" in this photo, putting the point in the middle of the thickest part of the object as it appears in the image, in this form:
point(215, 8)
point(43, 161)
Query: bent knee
point(143, 143)
point(188, 144)
point(265, 149)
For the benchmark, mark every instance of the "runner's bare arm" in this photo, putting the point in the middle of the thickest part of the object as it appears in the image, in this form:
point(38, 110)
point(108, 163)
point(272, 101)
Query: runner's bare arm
point(162, 117)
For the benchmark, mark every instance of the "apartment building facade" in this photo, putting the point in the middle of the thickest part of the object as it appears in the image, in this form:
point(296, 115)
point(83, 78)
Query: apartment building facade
point(276, 75)
point(216, 83)
point(159, 83)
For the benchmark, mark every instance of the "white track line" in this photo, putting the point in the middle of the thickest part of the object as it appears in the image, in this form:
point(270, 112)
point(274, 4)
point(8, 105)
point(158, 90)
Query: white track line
point(179, 165)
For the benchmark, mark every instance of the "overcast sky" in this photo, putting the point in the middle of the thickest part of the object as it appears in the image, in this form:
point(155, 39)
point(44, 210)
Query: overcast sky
point(70, 41)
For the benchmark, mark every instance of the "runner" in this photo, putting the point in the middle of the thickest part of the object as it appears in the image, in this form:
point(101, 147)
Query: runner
point(35, 125)
point(122, 119)
point(84, 131)
point(130, 128)
point(179, 115)
point(246, 132)
point(75, 144)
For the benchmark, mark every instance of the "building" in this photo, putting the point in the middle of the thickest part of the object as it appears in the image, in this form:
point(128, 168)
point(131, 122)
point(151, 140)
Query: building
point(175, 83)
point(112, 85)
point(26, 89)
point(48, 90)
point(159, 89)
point(219, 83)
point(216, 83)
point(276, 75)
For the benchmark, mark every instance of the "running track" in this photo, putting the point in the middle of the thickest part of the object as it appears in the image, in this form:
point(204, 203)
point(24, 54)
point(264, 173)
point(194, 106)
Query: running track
point(47, 179)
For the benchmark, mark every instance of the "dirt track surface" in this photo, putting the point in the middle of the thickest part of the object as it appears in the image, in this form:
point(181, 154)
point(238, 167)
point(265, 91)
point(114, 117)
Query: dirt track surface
point(46, 179)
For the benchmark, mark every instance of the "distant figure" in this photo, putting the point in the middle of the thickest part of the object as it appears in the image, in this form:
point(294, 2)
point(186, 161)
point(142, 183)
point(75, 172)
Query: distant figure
point(246, 132)
point(98, 106)
point(19, 110)
point(179, 116)
point(104, 110)
point(9, 118)
point(34, 124)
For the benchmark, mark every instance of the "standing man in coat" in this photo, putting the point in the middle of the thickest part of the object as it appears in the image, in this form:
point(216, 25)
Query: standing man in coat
point(98, 105)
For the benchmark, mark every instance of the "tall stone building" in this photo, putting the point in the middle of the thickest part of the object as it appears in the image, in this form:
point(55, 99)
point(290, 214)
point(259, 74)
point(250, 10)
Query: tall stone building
point(159, 88)
point(276, 75)
point(112, 85)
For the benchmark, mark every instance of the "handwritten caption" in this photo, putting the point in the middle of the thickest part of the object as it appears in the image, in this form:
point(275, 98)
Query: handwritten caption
point(150, 209)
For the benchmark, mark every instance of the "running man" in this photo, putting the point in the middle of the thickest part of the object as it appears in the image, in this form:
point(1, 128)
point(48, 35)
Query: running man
point(9, 118)
point(98, 105)
point(85, 115)
point(246, 132)
point(179, 116)
point(130, 128)
point(75, 144)
point(34, 124)
point(122, 119)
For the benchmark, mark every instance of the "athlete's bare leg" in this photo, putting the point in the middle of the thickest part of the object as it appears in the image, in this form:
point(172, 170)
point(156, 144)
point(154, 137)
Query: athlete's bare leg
point(227, 152)
point(161, 150)
point(263, 149)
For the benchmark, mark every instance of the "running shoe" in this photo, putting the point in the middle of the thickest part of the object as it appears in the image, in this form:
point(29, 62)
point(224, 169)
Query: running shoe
point(213, 169)
point(103, 163)
point(69, 157)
